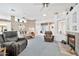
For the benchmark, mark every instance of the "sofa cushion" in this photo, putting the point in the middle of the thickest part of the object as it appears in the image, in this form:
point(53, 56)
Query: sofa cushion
point(13, 39)
point(7, 43)
point(22, 45)
point(21, 42)
point(10, 36)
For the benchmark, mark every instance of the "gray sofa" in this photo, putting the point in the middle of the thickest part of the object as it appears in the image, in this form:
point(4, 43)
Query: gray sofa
point(13, 44)
point(1, 41)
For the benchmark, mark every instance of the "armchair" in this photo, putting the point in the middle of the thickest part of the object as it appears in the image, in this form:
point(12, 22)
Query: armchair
point(48, 37)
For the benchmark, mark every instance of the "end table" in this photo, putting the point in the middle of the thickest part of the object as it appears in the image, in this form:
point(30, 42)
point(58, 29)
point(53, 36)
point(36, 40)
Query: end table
point(3, 51)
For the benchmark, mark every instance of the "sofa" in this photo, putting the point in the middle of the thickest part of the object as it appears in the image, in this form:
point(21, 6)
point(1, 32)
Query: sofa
point(1, 41)
point(13, 44)
point(48, 37)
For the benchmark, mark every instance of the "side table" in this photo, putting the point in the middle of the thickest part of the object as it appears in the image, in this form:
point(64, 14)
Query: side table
point(3, 51)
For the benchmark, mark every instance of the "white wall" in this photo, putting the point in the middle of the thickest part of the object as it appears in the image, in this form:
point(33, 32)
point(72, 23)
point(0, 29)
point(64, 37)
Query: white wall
point(38, 27)
point(70, 19)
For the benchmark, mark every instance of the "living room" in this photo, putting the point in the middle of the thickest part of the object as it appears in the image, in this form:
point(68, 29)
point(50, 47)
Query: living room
point(35, 29)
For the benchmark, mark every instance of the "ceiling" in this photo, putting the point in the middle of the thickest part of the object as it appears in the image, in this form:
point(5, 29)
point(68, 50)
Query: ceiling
point(33, 10)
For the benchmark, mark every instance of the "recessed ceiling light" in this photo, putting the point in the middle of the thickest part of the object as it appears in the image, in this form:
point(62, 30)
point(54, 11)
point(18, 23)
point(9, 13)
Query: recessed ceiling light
point(44, 15)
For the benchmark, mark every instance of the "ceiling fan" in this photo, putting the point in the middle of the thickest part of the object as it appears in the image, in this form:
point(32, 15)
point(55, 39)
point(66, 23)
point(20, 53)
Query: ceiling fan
point(45, 5)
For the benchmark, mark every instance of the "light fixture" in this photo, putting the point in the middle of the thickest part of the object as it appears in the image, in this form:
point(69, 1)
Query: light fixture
point(12, 10)
point(44, 15)
point(45, 4)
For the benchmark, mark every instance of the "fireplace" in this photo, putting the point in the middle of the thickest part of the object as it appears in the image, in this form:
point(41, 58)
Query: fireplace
point(71, 40)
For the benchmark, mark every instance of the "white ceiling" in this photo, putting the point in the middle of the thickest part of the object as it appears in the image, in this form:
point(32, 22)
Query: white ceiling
point(33, 10)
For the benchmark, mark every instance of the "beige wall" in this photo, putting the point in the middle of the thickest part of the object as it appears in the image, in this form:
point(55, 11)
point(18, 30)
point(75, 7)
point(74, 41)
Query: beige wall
point(6, 24)
point(28, 26)
point(31, 25)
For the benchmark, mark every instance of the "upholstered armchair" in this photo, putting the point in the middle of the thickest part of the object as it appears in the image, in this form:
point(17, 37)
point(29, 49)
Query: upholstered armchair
point(48, 37)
